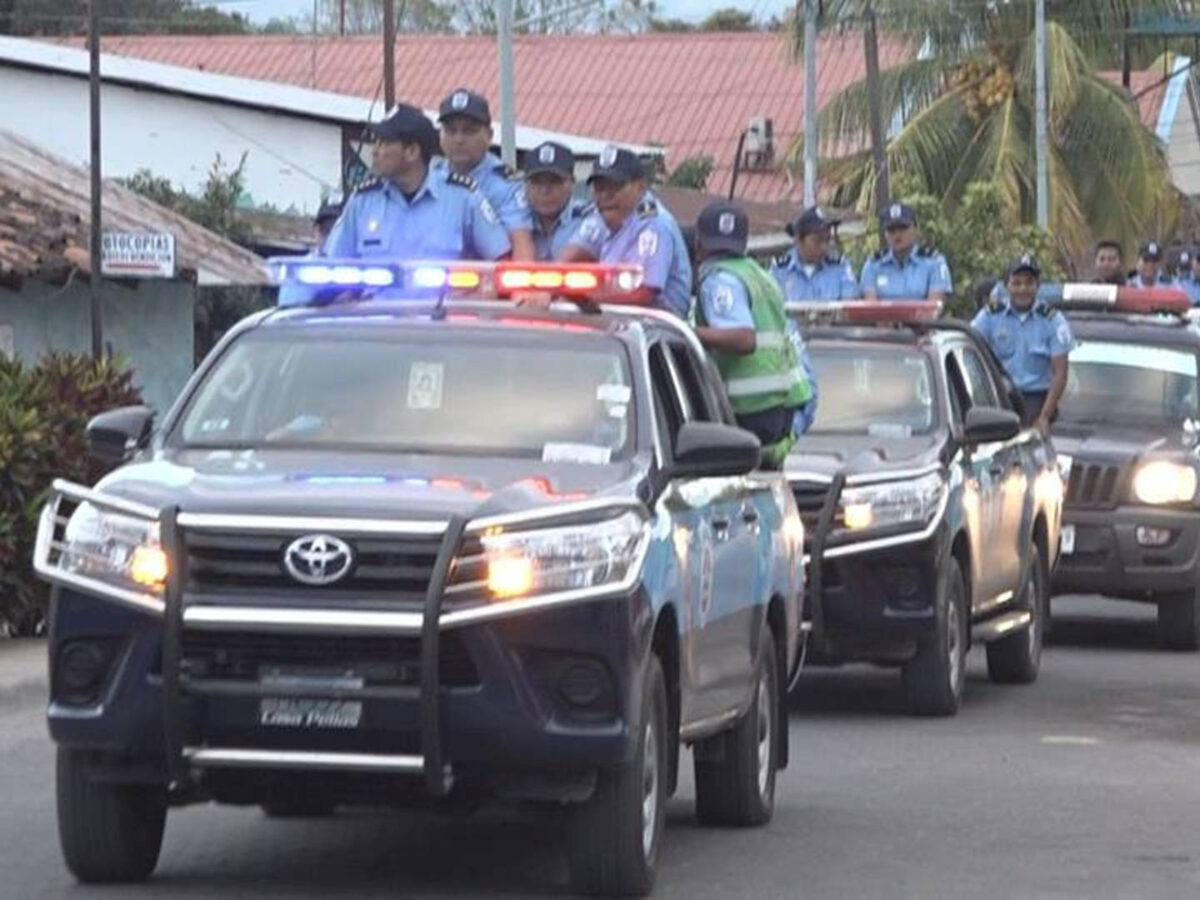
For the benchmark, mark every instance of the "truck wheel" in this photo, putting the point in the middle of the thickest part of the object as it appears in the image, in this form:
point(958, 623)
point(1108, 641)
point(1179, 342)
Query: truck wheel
point(613, 839)
point(108, 832)
point(1016, 659)
point(1179, 620)
point(735, 771)
point(935, 677)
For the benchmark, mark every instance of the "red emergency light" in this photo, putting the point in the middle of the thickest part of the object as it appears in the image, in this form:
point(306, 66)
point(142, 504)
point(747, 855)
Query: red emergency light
point(867, 312)
point(1119, 298)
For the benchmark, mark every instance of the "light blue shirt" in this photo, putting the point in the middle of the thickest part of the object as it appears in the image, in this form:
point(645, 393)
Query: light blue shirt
point(832, 279)
point(1026, 342)
point(650, 237)
point(550, 244)
point(1191, 285)
point(503, 189)
point(725, 303)
point(922, 273)
point(1136, 280)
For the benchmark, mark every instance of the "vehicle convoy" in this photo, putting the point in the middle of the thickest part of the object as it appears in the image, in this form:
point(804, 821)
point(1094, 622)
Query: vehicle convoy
point(426, 548)
point(1130, 420)
point(932, 518)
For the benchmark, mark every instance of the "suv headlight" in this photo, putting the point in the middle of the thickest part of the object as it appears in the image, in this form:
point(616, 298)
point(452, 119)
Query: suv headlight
point(116, 548)
point(1164, 482)
point(591, 555)
point(893, 503)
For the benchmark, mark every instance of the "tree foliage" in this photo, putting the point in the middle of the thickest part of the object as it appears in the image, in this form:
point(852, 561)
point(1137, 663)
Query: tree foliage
point(58, 17)
point(692, 172)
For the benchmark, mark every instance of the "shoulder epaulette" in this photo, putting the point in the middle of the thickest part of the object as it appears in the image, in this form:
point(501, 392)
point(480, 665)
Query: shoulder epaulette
point(507, 171)
point(995, 304)
point(647, 208)
point(371, 184)
point(782, 260)
point(834, 259)
point(922, 250)
point(879, 254)
point(579, 210)
point(1046, 310)
point(462, 180)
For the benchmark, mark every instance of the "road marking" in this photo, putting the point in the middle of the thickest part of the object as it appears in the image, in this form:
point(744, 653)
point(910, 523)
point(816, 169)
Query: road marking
point(1070, 740)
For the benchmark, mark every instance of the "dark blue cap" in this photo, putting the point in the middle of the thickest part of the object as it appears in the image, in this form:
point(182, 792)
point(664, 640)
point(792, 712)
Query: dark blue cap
point(898, 214)
point(722, 226)
point(617, 164)
point(1152, 250)
point(812, 219)
point(1025, 263)
point(550, 157)
point(405, 123)
point(467, 104)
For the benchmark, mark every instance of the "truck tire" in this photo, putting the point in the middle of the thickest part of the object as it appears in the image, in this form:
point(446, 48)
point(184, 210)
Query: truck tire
point(613, 839)
point(1015, 659)
point(735, 770)
point(934, 679)
point(1179, 620)
point(108, 832)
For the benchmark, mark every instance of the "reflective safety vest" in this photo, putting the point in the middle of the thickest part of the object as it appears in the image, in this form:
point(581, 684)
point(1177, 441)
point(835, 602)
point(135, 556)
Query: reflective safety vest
point(771, 376)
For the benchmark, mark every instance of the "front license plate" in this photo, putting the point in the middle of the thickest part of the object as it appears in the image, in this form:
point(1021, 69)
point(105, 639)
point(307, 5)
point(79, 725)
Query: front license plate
point(299, 712)
point(1067, 544)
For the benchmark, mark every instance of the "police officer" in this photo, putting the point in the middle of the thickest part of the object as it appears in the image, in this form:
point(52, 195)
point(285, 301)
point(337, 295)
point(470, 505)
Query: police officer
point(1032, 341)
point(740, 318)
point(905, 270)
point(809, 271)
point(1107, 267)
point(1149, 271)
point(409, 212)
point(1189, 275)
point(466, 123)
point(630, 226)
point(549, 185)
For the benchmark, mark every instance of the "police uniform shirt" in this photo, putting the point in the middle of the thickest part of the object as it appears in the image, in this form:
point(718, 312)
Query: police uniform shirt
point(725, 303)
point(503, 189)
point(550, 244)
point(922, 273)
point(445, 219)
point(651, 238)
point(1164, 280)
point(831, 279)
point(1026, 342)
point(1191, 286)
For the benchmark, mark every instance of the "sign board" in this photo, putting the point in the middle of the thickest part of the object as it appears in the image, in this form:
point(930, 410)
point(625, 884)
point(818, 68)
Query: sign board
point(137, 254)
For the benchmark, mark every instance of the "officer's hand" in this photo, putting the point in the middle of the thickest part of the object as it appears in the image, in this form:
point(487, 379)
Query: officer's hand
point(533, 299)
point(1043, 425)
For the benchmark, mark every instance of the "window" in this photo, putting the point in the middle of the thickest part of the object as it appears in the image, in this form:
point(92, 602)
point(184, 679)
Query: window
point(882, 391)
point(978, 379)
point(693, 384)
point(668, 403)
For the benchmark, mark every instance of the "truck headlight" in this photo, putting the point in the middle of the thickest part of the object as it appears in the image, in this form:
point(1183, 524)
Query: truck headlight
point(1164, 482)
point(893, 503)
point(592, 555)
point(115, 548)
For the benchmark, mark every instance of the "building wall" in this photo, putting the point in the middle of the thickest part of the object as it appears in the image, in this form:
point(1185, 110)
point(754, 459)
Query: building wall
point(289, 160)
point(150, 323)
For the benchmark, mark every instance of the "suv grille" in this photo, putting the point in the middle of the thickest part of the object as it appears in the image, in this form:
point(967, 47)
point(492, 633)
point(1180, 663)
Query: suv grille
point(1093, 485)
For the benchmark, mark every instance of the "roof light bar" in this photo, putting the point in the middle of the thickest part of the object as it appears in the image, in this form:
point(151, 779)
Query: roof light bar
point(1116, 298)
point(867, 312)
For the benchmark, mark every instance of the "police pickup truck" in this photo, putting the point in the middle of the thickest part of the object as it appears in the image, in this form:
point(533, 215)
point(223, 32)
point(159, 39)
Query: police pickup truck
point(1130, 420)
point(932, 517)
point(426, 547)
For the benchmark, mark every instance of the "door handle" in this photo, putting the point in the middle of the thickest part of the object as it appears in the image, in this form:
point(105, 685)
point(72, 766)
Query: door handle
point(720, 527)
point(996, 471)
point(749, 514)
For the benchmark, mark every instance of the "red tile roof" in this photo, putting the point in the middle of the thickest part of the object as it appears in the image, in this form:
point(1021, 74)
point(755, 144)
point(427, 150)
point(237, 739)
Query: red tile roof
point(692, 93)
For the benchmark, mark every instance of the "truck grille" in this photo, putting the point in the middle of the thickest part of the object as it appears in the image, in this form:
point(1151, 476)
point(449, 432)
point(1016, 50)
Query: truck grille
point(397, 568)
point(383, 661)
point(1093, 484)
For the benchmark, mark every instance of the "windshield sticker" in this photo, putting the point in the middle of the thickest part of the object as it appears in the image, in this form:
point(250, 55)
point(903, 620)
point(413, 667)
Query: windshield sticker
point(208, 426)
point(618, 411)
point(425, 385)
point(1136, 356)
point(889, 430)
point(234, 387)
point(613, 393)
point(562, 451)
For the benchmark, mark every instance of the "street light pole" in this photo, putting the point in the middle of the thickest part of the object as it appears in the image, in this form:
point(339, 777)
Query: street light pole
point(95, 261)
point(389, 54)
point(1043, 162)
point(508, 115)
point(810, 103)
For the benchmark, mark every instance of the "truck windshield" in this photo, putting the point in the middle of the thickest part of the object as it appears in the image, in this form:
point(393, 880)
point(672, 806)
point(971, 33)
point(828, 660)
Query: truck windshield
point(883, 391)
point(498, 395)
point(1111, 380)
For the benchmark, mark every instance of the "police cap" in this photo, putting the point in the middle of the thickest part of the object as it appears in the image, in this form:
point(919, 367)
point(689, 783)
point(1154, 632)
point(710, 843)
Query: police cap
point(550, 157)
point(465, 103)
point(617, 164)
point(898, 215)
point(1152, 250)
point(405, 123)
point(722, 226)
point(1025, 263)
point(811, 220)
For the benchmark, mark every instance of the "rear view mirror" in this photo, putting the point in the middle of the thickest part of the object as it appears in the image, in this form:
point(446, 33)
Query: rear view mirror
point(987, 424)
point(711, 449)
point(114, 437)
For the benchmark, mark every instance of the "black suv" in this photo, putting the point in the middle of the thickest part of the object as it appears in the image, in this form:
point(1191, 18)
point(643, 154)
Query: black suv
point(931, 517)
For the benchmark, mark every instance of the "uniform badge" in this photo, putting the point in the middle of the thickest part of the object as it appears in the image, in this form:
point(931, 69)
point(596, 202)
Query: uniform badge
point(372, 225)
point(881, 280)
point(489, 211)
point(647, 242)
point(723, 299)
point(726, 222)
point(1004, 342)
point(546, 154)
point(459, 100)
point(895, 212)
point(608, 156)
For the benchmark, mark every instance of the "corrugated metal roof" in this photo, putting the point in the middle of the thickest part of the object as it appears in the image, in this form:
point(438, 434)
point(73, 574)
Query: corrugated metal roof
point(45, 216)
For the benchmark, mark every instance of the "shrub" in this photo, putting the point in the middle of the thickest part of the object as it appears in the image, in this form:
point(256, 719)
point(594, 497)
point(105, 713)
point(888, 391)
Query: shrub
point(44, 411)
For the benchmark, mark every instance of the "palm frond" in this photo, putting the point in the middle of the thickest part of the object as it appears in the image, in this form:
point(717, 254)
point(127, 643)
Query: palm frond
point(1065, 66)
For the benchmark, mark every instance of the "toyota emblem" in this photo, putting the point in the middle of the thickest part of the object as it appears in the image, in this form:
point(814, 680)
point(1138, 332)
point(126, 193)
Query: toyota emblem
point(318, 559)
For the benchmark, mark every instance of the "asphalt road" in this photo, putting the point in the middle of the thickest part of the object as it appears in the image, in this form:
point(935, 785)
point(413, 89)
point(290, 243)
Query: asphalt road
point(1086, 784)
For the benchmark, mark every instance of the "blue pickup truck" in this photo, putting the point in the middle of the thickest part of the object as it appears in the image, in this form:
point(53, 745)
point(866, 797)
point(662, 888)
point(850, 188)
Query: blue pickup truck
point(423, 550)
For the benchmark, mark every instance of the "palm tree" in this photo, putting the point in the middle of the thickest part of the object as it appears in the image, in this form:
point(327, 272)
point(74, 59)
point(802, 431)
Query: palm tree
point(965, 104)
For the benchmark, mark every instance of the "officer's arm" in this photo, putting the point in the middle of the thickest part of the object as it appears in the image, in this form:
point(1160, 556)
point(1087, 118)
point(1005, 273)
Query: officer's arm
point(868, 282)
point(487, 236)
point(522, 244)
point(576, 253)
point(939, 279)
point(343, 237)
point(848, 290)
point(723, 314)
point(729, 340)
point(1058, 384)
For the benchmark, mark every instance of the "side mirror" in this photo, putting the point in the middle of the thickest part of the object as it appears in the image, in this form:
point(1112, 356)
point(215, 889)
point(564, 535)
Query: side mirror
point(115, 436)
point(987, 424)
point(712, 450)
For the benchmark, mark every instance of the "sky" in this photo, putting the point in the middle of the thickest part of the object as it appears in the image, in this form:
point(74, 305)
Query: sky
point(261, 11)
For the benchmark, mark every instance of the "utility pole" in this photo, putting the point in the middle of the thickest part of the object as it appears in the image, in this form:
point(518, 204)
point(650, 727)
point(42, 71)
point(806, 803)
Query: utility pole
point(341, 18)
point(94, 117)
point(508, 114)
point(1043, 162)
point(810, 103)
point(389, 54)
point(1126, 55)
point(874, 108)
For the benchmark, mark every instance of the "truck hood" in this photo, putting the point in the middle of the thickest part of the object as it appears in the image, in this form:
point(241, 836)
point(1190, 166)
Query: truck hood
point(302, 483)
point(1118, 444)
point(857, 453)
